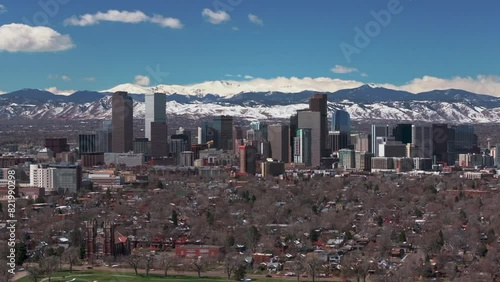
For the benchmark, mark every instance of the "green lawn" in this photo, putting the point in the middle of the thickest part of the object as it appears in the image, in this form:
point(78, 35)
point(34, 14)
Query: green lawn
point(102, 276)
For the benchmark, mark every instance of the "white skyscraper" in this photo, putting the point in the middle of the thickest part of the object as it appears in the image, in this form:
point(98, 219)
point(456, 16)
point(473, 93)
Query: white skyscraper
point(379, 134)
point(155, 111)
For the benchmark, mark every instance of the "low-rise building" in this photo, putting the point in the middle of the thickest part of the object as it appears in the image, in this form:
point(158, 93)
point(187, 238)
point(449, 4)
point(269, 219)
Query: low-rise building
point(272, 168)
point(127, 159)
point(198, 251)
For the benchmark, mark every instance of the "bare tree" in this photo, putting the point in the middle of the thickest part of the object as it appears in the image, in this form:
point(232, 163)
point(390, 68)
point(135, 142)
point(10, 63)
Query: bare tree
point(167, 262)
point(49, 265)
point(71, 256)
point(198, 264)
point(298, 266)
point(148, 262)
point(356, 264)
point(230, 263)
point(313, 265)
point(34, 273)
point(134, 260)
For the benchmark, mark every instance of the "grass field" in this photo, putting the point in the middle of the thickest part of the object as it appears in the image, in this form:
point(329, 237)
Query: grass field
point(103, 276)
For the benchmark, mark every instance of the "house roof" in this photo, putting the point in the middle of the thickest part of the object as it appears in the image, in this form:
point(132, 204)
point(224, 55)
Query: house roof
point(119, 238)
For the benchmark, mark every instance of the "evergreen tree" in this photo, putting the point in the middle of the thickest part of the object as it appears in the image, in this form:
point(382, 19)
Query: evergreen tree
point(21, 253)
point(175, 218)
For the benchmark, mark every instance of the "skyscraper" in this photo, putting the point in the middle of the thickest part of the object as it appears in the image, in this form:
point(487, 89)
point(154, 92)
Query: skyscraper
point(341, 123)
point(122, 123)
point(465, 139)
point(104, 137)
point(224, 127)
point(302, 147)
point(248, 159)
point(158, 137)
point(402, 132)
point(440, 142)
point(347, 158)
point(421, 144)
point(294, 122)
point(378, 134)
point(155, 111)
point(87, 143)
point(237, 136)
point(278, 136)
point(312, 120)
point(319, 103)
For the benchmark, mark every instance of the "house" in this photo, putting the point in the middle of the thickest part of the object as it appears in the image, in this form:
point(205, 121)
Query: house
point(397, 252)
point(198, 250)
point(261, 258)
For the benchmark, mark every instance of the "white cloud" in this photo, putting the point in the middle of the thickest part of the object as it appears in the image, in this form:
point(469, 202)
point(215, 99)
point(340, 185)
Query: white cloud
point(343, 69)
point(166, 22)
point(89, 78)
point(364, 74)
point(122, 17)
point(3, 9)
point(235, 28)
point(142, 80)
point(2, 92)
point(57, 76)
point(60, 92)
point(239, 76)
point(24, 38)
point(215, 17)
point(482, 84)
point(255, 19)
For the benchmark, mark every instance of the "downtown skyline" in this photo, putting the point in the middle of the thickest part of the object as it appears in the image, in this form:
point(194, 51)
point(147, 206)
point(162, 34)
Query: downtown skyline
point(96, 46)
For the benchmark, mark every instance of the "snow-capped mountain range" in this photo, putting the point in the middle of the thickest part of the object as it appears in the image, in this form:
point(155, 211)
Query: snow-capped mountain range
point(365, 102)
point(230, 88)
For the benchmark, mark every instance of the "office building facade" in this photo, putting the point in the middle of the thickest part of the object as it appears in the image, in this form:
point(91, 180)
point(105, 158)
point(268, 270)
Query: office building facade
point(248, 160)
point(224, 128)
point(319, 103)
point(377, 132)
point(422, 143)
point(402, 132)
point(303, 147)
point(122, 123)
point(57, 145)
point(312, 120)
point(159, 138)
point(155, 111)
point(278, 135)
point(440, 142)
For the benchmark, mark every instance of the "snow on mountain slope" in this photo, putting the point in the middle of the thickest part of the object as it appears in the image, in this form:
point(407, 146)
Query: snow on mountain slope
point(130, 88)
point(424, 111)
point(229, 88)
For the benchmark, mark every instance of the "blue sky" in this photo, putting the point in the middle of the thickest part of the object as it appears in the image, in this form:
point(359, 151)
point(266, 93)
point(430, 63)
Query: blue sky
point(287, 38)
